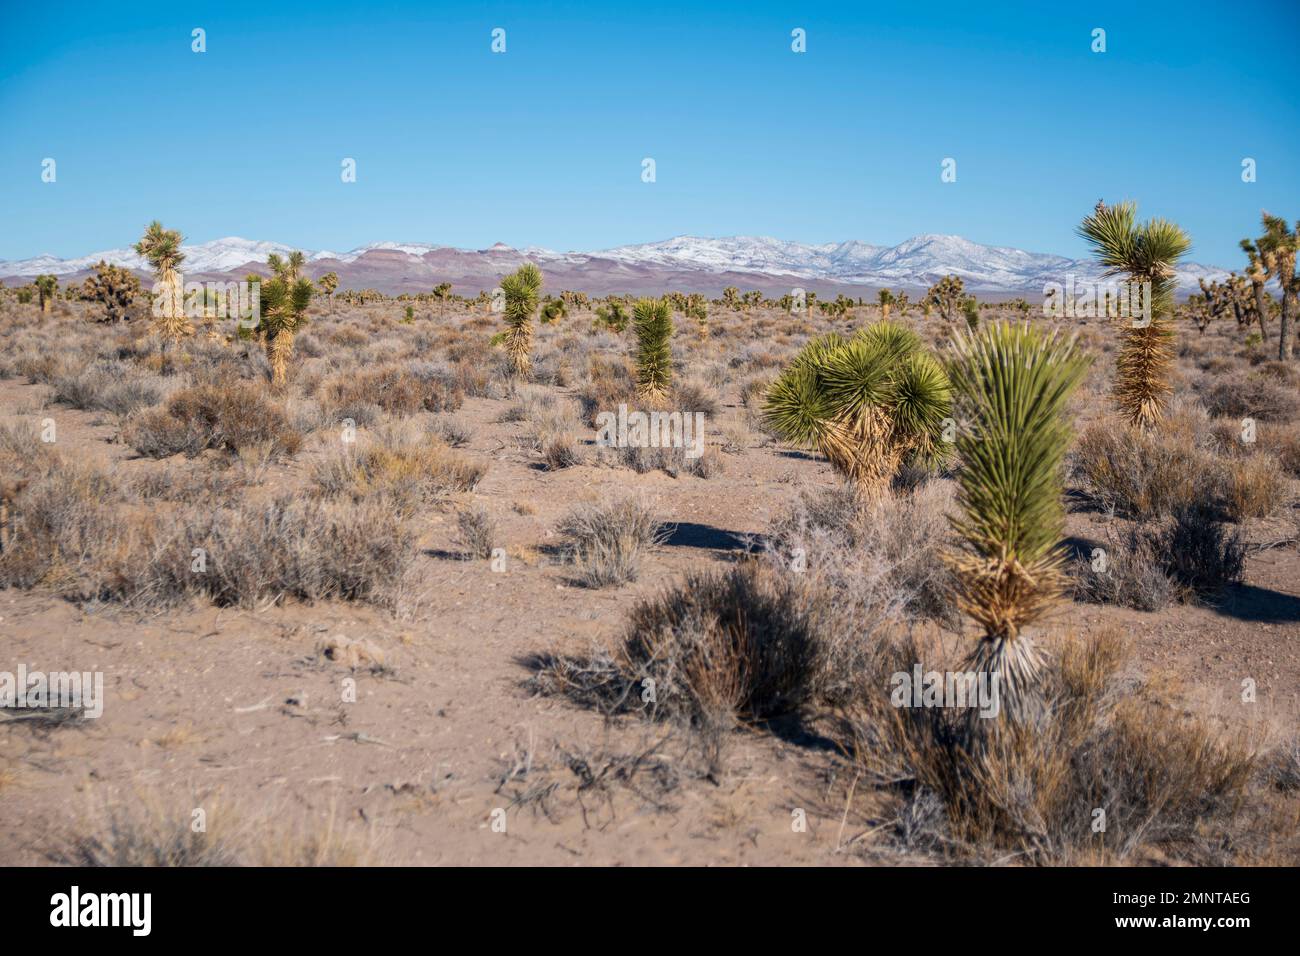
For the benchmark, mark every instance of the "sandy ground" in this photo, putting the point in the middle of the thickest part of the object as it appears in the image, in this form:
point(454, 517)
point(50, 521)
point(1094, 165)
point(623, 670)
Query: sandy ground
point(227, 708)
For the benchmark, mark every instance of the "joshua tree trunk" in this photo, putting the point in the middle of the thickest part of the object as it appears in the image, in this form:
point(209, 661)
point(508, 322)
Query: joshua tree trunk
point(279, 348)
point(173, 324)
point(1284, 325)
point(1260, 312)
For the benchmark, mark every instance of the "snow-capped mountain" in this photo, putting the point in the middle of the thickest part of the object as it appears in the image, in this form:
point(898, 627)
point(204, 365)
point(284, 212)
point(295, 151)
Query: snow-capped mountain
point(685, 263)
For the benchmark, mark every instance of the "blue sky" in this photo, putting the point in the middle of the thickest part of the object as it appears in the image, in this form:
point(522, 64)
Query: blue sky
point(543, 145)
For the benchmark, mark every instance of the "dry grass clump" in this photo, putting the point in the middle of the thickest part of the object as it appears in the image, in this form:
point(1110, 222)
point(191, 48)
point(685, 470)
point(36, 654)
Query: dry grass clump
point(397, 465)
point(1191, 556)
point(1147, 474)
point(477, 531)
point(881, 558)
point(1254, 487)
point(607, 541)
point(610, 382)
point(111, 386)
point(1250, 396)
point(145, 831)
point(61, 519)
point(226, 417)
point(397, 389)
point(1035, 791)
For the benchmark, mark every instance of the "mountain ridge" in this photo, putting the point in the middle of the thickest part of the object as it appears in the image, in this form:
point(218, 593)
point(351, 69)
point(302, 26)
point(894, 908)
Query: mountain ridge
point(683, 263)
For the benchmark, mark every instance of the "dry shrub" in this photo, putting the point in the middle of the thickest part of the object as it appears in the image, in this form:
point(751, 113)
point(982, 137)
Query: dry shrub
point(1147, 474)
point(1254, 487)
point(110, 386)
point(1132, 574)
point(147, 831)
point(1160, 775)
point(611, 382)
point(607, 541)
point(397, 465)
point(477, 531)
point(228, 417)
point(880, 560)
point(1250, 396)
point(397, 389)
point(1285, 444)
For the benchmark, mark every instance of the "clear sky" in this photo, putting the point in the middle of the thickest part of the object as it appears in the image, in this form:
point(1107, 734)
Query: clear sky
point(543, 145)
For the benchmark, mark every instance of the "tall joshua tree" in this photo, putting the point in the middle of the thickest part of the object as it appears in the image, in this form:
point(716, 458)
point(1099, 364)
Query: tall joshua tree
point(284, 301)
point(652, 321)
point(868, 403)
point(1278, 247)
point(328, 283)
point(441, 293)
point(1146, 253)
point(162, 247)
point(46, 287)
point(522, 289)
point(1012, 383)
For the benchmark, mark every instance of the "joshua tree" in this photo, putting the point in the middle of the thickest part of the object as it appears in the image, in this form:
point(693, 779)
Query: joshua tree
point(521, 289)
point(697, 308)
point(611, 316)
point(46, 288)
point(114, 288)
point(1278, 247)
point(1012, 383)
point(731, 297)
point(810, 298)
point(442, 292)
point(1146, 253)
point(886, 299)
point(162, 247)
point(1256, 273)
point(970, 309)
point(868, 403)
point(284, 302)
point(652, 321)
point(328, 283)
point(946, 295)
point(553, 310)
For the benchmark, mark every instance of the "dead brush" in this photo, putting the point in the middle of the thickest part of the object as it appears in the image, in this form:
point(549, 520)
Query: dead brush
point(608, 541)
point(477, 532)
point(396, 464)
point(1147, 474)
point(1035, 790)
point(150, 829)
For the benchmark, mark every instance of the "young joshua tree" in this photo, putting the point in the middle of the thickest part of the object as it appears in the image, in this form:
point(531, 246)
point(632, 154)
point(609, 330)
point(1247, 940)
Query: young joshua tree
point(328, 283)
point(886, 299)
point(521, 289)
point(162, 247)
point(1145, 253)
point(46, 287)
point(1278, 247)
point(284, 302)
point(652, 321)
point(1013, 383)
point(868, 403)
